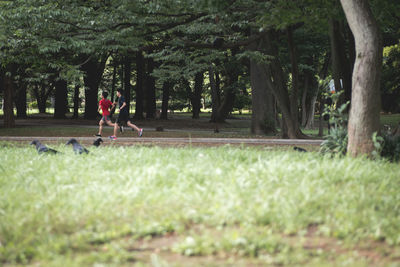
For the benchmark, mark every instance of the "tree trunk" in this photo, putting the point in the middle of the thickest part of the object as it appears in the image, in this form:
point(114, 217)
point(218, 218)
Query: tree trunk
point(93, 69)
point(114, 80)
point(294, 96)
point(341, 62)
point(214, 95)
point(61, 99)
point(140, 68)
point(20, 101)
point(196, 99)
point(304, 109)
point(41, 102)
point(165, 98)
point(364, 117)
point(277, 84)
point(8, 109)
point(311, 112)
point(127, 81)
point(262, 117)
point(76, 102)
point(150, 91)
point(41, 95)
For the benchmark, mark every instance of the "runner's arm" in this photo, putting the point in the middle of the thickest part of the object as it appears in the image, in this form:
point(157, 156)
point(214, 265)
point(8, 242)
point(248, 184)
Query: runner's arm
point(123, 105)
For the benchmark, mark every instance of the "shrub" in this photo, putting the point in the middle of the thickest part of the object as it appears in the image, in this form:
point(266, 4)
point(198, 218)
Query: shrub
point(336, 141)
point(391, 148)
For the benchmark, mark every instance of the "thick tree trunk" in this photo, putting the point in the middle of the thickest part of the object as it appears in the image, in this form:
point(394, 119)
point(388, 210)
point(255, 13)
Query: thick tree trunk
point(263, 116)
point(150, 91)
point(61, 99)
point(364, 117)
point(165, 98)
point(93, 69)
point(140, 69)
point(196, 98)
point(8, 109)
point(20, 101)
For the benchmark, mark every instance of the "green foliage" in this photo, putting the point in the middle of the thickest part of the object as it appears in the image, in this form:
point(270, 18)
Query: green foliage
point(391, 79)
point(390, 147)
point(336, 141)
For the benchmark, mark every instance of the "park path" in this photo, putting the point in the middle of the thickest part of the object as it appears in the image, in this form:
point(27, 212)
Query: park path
point(171, 140)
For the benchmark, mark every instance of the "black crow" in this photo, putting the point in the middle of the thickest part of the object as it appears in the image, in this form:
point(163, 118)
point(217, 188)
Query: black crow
point(77, 147)
point(42, 148)
point(299, 149)
point(97, 142)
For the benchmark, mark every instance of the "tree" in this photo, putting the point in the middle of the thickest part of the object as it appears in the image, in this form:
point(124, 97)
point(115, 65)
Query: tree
point(364, 117)
point(8, 90)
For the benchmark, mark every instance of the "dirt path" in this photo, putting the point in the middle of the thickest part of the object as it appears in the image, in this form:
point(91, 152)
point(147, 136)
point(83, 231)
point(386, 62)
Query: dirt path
point(170, 141)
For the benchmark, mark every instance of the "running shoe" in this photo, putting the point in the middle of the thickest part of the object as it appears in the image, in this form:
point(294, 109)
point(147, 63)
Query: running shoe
point(97, 135)
point(140, 132)
point(112, 137)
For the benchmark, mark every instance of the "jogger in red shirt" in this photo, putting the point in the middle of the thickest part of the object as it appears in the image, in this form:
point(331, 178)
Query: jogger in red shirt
point(105, 106)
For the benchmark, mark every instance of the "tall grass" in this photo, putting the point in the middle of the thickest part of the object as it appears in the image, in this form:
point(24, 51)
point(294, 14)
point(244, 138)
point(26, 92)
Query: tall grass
point(54, 206)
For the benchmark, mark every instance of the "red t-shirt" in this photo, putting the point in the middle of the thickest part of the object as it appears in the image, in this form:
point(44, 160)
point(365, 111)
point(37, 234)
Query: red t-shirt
point(105, 104)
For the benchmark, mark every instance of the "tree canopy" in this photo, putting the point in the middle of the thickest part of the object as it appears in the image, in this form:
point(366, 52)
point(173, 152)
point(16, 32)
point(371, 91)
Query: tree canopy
point(188, 49)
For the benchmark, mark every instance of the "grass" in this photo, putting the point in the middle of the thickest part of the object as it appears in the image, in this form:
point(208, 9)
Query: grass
point(196, 206)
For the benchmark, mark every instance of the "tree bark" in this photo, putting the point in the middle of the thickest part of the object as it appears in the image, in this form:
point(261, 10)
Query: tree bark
point(114, 80)
point(150, 91)
point(196, 99)
point(364, 117)
point(262, 116)
point(304, 109)
point(277, 84)
point(41, 95)
point(165, 98)
point(61, 99)
point(140, 68)
point(8, 109)
point(294, 96)
point(20, 101)
point(76, 102)
point(341, 60)
point(127, 81)
point(214, 95)
point(93, 69)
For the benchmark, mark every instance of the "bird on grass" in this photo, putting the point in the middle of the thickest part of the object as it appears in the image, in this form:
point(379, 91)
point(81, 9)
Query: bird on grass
point(97, 142)
point(299, 149)
point(77, 147)
point(42, 148)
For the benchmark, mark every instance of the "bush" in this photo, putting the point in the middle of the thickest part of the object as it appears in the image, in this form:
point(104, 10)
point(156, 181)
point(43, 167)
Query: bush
point(391, 148)
point(336, 141)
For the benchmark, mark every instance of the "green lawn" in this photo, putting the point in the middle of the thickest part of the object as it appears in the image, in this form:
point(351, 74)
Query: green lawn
point(124, 206)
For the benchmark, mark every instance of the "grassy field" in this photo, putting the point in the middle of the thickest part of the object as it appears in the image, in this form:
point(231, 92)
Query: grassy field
point(220, 206)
